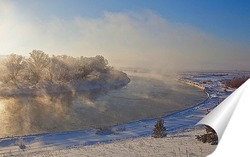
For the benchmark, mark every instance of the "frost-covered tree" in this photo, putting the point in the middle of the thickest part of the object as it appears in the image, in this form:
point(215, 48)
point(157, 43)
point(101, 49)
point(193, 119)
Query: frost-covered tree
point(59, 68)
point(99, 63)
point(88, 65)
point(62, 68)
point(37, 64)
point(13, 66)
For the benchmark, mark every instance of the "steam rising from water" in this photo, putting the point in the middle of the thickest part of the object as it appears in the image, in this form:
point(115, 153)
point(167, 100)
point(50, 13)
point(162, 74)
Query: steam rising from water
point(143, 97)
point(44, 113)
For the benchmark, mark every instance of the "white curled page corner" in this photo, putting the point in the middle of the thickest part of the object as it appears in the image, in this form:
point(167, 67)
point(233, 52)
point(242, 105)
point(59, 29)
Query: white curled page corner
point(231, 119)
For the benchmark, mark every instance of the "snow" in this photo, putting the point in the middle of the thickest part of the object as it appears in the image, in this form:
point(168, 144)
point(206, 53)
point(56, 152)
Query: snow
point(77, 143)
point(178, 144)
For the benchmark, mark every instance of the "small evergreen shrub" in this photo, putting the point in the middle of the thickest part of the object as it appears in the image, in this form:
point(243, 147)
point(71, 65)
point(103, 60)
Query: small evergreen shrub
point(159, 131)
point(21, 144)
point(210, 136)
point(104, 130)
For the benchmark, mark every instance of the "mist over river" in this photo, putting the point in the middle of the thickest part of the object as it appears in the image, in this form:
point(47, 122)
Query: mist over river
point(146, 96)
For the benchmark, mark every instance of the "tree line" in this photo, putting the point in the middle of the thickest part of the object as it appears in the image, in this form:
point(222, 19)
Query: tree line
point(236, 82)
point(39, 66)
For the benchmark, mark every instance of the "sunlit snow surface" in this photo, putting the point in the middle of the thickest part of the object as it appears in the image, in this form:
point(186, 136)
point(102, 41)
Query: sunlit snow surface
point(211, 82)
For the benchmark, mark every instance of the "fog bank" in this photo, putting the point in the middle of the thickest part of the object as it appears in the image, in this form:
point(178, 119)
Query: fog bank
point(137, 39)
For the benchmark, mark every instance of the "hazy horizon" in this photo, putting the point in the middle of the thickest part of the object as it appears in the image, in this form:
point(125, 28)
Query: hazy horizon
point(162, 36)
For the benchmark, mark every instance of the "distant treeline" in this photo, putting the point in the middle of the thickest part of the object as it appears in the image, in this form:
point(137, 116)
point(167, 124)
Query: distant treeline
point(236, 81)
point(21, 71)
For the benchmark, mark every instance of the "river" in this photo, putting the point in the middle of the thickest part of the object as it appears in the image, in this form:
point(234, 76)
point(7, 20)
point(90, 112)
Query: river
point(146, 96)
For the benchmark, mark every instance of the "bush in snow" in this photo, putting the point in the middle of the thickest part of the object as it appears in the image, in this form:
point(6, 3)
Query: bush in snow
point(159, 131)
point(104, 130)
point(21, 144)
point(209, 137)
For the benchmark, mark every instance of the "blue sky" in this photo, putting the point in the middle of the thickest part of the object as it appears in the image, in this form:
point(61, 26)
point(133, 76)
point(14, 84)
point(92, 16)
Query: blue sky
point(228, 18)
point(175, 29)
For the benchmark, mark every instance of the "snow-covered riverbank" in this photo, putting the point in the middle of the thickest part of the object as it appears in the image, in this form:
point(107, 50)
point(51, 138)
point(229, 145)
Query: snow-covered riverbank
point(174, 145)
point(178, 121)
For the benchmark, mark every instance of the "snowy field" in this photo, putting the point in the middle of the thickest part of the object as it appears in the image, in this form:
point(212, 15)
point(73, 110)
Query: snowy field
point(174, 145)
point(135, 136)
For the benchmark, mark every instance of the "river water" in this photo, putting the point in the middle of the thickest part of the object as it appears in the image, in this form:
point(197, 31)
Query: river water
point(146, 96)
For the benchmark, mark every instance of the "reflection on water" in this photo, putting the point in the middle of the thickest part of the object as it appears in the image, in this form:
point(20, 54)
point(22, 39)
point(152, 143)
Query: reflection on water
point(143, 97)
